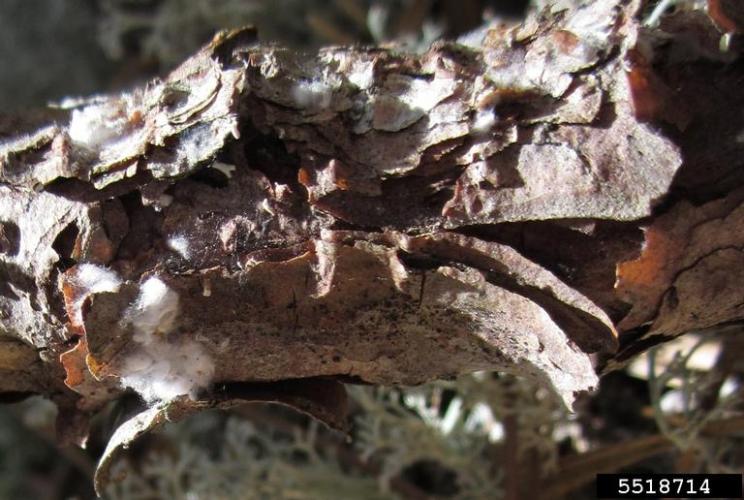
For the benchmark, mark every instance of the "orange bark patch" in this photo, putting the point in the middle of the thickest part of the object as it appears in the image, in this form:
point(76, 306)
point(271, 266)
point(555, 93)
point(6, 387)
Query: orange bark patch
point(646, 99)
point(727, 15)
point(73, 361)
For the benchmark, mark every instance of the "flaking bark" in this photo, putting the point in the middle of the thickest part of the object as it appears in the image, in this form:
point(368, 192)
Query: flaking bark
point(373, 216)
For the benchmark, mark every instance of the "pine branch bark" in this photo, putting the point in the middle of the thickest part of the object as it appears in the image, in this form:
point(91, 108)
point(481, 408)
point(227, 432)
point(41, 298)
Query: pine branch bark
point(547, 203)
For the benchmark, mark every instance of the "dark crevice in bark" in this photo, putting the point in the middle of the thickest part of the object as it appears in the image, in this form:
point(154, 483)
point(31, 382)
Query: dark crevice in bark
point(698, 116)
point(405, 203)
point(85, 192)
point(5, 289)
point(12, 274)
point(422, 262)
point(350, 379)
point(144, 223)
point(65, 244)
point(573, 321)
point(570, 319)
point(10, 238)
point(268, 154)
point(584, 260)
point(639, 346)
point(341, 225)
point(211, 177)
point(637, 341)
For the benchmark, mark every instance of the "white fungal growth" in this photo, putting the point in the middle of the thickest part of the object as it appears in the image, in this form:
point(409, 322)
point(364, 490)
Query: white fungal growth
point(180, 245)
point(154, 311)
point(92, 279)
point(96, 279)
point(312, 94)
point(161, 369)
point(484, 121)
point(99, 123)
point(88, 128)
point(362, 75)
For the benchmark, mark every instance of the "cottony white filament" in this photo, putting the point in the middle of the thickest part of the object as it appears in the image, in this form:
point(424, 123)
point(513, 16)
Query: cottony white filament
point(162, 368)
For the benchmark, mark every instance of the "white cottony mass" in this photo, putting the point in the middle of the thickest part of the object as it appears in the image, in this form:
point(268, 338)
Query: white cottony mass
point(180, 245)
point(162, 368)
point(154, 311)
point(92, 279)
point(96, 279)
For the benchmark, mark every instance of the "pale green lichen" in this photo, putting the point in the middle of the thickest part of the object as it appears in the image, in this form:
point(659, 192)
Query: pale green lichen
point(681, 393)
point(246, 461)
point(452, 424)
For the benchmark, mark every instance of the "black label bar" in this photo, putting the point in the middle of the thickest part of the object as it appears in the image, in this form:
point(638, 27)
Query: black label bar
point(669, 486)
